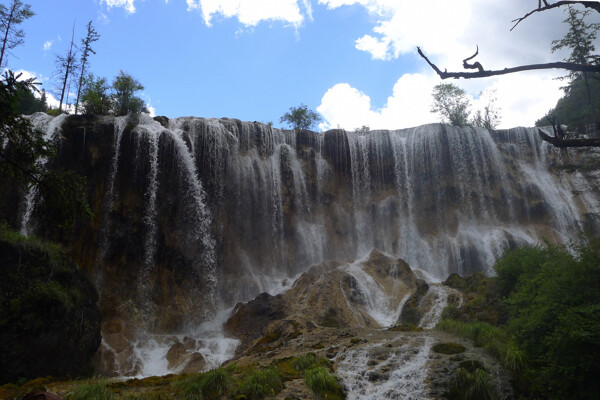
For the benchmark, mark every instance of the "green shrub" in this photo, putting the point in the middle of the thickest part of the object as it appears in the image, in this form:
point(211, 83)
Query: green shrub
point(208, 386)
point(304, 362)
point(471, 385)
point(261, 384)
point(322, 383)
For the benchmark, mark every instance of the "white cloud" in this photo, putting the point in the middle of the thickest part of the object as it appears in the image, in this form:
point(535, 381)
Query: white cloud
point(522, 98)
point(251, 12)
point(126, 4)
point(448, 31)
point(48, 45)
point(50, 99)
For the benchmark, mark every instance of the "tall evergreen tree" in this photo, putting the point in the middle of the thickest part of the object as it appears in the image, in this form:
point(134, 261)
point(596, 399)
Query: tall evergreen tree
point(65, 68)
point(10, 18)
point(91, 37)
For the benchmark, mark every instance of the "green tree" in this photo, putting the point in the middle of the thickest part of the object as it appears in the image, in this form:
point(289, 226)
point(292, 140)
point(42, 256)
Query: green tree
point(91, 37)
point(10, 18)
point(553, 302)
point(451, 103)
point(96, 98)
point(301, 117)
point(30, 104)
point(124, 99)
point(61, 193)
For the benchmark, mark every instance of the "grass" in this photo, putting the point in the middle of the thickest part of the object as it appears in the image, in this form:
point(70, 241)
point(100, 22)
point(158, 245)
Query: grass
point(89, 390)
point(208, 386)
point(260, 384)
point(471, 385)
point(493, 339)
point(323, 384)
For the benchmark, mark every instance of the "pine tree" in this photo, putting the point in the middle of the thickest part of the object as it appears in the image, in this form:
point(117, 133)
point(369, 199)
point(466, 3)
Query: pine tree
point(10, 17)
point(91, 37)
point(66, 66)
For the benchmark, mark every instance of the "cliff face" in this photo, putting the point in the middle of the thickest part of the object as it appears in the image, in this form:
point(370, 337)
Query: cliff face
point(49, 317)
point(199, 214)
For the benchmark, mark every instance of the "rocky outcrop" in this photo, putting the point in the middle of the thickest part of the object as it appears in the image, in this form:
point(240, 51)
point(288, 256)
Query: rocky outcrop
point(195, 214)
point(49, 318)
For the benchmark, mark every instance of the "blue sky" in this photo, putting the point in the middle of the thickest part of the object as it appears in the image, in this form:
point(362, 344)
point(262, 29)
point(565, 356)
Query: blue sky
point(352, 60)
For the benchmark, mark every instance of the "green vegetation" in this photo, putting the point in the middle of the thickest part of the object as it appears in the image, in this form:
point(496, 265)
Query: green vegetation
point(301, 117)
point(323, 384)
point(581, 102)
point(61, 199)
point(449, 348)
point(98, 98)
point(49, 319)
point(261, 384)
point(451, 103)
point(471, 385)
point(542, 320)
point(97, 390)
point(10, 17)
point(208, 386)
point(453, 107)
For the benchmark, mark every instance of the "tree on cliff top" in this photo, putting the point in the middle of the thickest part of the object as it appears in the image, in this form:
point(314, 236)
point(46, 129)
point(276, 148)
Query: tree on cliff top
point(91, 37)
point(10, 17)
point(125, 101)
point(301, 117)
point(451, 103)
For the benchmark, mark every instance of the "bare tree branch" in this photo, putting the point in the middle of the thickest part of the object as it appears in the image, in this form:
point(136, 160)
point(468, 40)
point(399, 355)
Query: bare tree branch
point(576, 142)
point(483, 73)
point(595, 5)
point(475, 65)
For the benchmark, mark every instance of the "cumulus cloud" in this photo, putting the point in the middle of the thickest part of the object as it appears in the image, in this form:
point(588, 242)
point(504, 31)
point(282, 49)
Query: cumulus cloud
point(522, 98)
point(126, 4)
point(251, 12)
point(448, 32)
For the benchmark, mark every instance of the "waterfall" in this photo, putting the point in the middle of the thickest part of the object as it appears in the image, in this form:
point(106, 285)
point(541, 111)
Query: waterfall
point(205, 213)
point(49, 126)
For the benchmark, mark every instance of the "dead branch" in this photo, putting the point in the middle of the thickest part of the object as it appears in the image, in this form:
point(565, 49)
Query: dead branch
point(484, 74)
point(475, 65)
point(595, 5)
point(558, 142)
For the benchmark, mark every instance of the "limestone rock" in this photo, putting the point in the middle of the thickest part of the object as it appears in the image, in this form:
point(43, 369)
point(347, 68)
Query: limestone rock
point(196, 364)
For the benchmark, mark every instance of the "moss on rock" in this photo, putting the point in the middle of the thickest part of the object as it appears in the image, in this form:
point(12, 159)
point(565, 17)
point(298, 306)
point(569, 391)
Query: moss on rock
point(49, 319)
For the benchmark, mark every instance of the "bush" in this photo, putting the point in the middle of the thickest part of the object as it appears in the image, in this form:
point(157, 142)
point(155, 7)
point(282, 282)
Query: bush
point(208, 386)
point(261, 384)
point(471, 385)
point(322, 383)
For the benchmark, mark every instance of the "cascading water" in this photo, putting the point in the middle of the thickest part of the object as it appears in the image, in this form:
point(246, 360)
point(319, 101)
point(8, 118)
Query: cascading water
point(50, 126)
point(206, 213)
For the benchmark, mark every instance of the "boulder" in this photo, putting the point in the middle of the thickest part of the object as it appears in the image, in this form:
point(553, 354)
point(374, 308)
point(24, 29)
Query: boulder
point(196, 364)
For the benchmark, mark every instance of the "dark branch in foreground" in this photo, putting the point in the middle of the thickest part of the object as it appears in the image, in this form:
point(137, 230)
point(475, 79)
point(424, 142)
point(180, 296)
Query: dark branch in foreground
point(483, 73)
point(595, 5)
point(558, 142)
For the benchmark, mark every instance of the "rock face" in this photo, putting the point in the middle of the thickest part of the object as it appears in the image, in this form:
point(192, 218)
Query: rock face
point(49, 318)
point(330, 312)
point(194, 215)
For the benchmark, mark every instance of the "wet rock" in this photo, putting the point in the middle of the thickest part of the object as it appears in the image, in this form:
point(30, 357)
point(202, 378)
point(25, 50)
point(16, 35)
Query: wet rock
point(196, 364)
point(176, 355)
point(250, 320)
